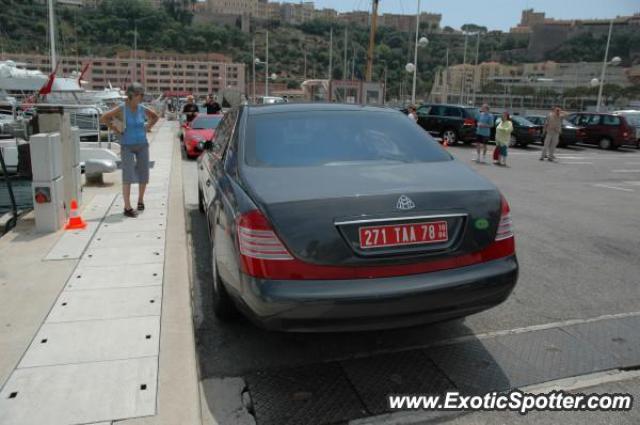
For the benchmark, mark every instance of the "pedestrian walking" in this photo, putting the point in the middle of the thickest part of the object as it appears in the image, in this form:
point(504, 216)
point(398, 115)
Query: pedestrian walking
point(134, 146)
point(503, 138)
point(212, 106)
point(190, 109)
point(412, 113)
point(483, 132)
point(552, 130)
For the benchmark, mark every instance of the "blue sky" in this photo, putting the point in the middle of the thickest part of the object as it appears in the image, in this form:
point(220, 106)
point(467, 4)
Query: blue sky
point(494, 14)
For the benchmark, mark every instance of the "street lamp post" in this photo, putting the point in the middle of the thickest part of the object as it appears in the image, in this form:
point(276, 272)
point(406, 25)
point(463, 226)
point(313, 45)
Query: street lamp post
point(253, 64)
point(615, 61)
point(266, 73)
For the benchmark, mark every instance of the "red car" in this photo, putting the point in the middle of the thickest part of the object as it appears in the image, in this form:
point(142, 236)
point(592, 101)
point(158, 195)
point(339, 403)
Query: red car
point(606, 130)
point(197, 132)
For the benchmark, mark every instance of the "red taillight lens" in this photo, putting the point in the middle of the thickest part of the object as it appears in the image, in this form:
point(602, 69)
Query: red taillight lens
point(469, 122)
point(261, 251)
point(505, 227)
point(257, 239)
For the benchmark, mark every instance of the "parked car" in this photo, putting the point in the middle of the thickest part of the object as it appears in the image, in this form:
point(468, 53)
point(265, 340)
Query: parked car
point(196, 133)
point(524, 131)
point(606, 130)
point(633, 119)
point(328, 217)
point(570, 134)
point(454, 122)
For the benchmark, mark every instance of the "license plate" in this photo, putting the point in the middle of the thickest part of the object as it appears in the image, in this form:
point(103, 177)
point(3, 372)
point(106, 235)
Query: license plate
point(403, 234)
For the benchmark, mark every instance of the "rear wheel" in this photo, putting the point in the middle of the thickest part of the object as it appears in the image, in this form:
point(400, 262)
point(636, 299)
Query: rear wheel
point(513, 141)
point(223, 306)
point(605, 143)
point(451, 136)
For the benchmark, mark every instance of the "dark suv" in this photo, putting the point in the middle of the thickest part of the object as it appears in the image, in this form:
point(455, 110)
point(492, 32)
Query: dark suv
point(608, 131)
point(456, 123)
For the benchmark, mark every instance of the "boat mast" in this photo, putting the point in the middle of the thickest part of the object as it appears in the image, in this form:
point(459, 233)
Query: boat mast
point(52, 36)
point(372, 39)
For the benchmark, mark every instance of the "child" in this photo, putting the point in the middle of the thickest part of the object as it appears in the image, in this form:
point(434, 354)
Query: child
point(503, 137)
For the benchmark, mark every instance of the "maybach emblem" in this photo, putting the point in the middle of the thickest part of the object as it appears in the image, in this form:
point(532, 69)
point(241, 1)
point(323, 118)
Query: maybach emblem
point(405, 203)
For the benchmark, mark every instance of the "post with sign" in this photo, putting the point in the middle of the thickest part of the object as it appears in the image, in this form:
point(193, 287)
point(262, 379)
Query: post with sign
point(48, 182)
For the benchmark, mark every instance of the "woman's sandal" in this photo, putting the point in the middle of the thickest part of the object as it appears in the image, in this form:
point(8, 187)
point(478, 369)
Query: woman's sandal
point(130, 213)
point(140, 206)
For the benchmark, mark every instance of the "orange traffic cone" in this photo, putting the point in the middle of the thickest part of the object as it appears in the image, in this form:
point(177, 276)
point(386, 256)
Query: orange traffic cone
point(75, 221)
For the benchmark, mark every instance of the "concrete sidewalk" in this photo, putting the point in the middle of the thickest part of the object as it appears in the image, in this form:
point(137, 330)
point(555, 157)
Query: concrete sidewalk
point(107, 336)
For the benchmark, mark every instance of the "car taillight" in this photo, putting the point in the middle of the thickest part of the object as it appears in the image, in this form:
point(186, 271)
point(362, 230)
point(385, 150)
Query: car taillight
point(258, 240)
point(261, 251)
point(469, 122)
point(505, 227)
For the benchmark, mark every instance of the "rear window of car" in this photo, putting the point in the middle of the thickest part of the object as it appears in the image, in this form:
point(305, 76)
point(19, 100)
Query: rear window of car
point(202, 123)
point(632, 119)
point(471, 112)
point(521, 121)
point(610, 120)
point(326, 138)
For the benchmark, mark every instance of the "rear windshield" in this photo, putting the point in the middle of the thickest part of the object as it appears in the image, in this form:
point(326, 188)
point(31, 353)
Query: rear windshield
point(521, 121)
point(472, 112)
point(202, 123)
point(632, 119)
point(326, 138)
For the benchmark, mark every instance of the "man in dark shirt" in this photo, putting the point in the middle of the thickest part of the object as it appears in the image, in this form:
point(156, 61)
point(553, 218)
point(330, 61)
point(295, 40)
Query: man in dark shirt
point(212, 106)
point(190, 109)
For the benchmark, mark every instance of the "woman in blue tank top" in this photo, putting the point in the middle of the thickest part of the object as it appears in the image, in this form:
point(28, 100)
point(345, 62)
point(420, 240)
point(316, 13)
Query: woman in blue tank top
point(134, 146)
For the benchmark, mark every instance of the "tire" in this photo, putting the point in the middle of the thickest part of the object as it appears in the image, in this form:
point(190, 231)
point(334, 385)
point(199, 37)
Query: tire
point(451, 135)
point(223, 306)
point(200, 200)
point(513, 141)
point(605, 143)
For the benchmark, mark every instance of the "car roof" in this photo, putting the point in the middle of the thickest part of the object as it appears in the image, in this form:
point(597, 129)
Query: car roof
point(450, 104)
point(311, 107)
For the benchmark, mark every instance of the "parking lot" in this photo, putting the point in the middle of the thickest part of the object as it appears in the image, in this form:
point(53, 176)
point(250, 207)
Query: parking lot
point(575, 310)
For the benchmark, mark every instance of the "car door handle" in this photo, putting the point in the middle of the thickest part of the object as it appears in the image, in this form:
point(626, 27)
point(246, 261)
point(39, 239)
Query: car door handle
point(208, 182)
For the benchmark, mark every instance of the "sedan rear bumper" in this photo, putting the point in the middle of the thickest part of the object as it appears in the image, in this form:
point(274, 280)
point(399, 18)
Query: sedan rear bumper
point(367, 304)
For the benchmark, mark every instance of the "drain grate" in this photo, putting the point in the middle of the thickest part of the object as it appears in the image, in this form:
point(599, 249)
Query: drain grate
point(310, 395)
point(407, 372)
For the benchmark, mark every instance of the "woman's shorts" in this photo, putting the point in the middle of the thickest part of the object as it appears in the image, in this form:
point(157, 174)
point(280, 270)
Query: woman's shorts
point(135, 163)
point(482, 139)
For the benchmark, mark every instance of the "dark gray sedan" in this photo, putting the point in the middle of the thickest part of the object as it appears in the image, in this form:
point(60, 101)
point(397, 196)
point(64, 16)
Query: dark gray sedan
point(328, 217)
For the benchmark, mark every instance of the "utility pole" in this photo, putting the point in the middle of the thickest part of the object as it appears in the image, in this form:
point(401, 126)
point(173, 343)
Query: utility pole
point(305, 62)
point(604, 67)
point(135, 52)
point(344, 71)
point(353, 64)
point(52, 36)
point(463, 80)
point(331, 53)
point(475, 69)
point(266, 73)
point(253, 63)
point(446, 86)
point(415, 57)
point(372, 39)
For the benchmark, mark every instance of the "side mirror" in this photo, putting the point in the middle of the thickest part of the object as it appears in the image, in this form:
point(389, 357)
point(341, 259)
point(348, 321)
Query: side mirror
point(208, 145)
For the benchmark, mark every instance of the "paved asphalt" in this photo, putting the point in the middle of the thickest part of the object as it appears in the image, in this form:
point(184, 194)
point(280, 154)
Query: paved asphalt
point(577, 235)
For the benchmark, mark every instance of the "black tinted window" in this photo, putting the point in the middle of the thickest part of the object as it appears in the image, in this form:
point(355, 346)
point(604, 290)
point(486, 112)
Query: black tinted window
point(452, 112)
point(610, 120)
point(316, 138)
point(437, 110)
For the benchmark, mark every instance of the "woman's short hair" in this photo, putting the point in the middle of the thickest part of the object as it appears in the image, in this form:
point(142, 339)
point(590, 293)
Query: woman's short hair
point(134, 89)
